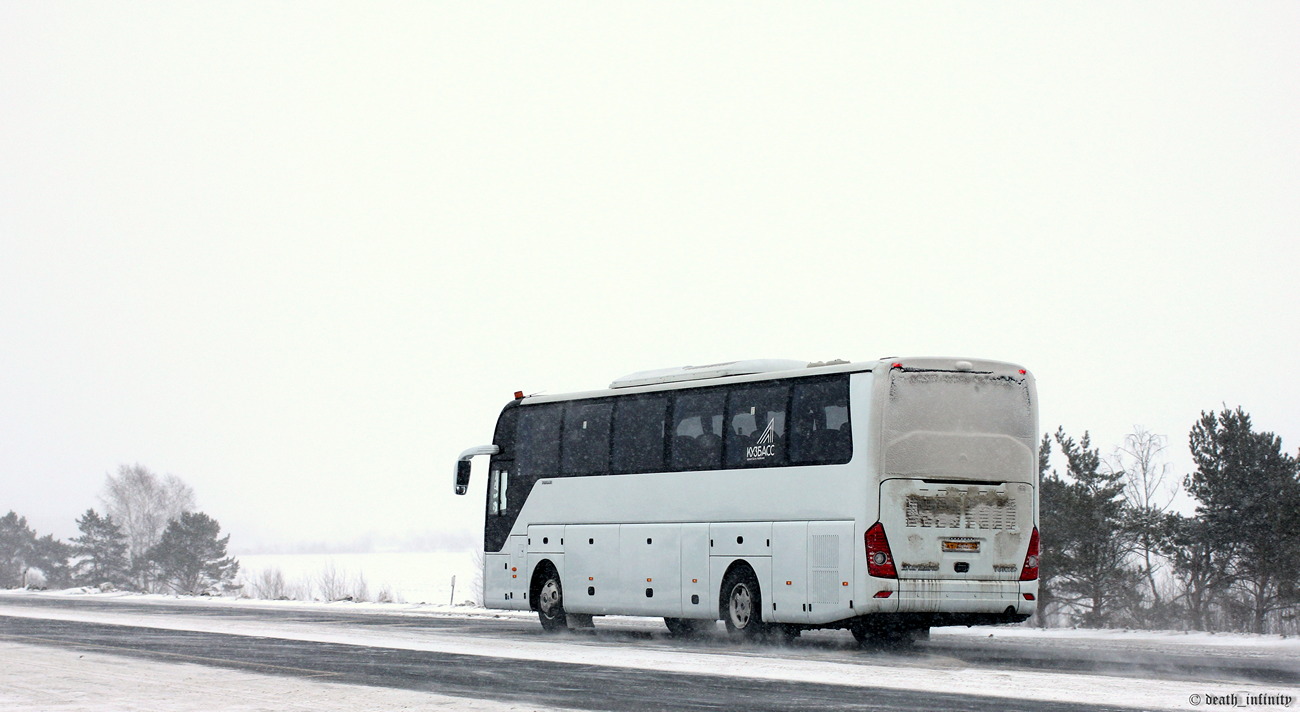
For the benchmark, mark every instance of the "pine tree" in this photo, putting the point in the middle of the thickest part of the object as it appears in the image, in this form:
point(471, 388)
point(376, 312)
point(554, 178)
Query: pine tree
point(1085, 537)
point(17, 550)
point(190, 557)
point(1248, 495)
point(51, 556)
point(101, 549)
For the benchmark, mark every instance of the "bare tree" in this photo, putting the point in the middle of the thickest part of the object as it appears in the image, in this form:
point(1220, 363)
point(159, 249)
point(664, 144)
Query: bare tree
point(1149, 491)
point(142, 503)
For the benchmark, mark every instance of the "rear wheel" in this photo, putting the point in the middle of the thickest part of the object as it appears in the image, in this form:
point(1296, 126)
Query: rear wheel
point(742, 604)
point(550, 603)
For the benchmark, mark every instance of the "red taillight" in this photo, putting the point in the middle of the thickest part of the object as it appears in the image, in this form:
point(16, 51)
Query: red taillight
point(880, 562)
point(895, 365)
point(1029, 572)
point(1023, 372)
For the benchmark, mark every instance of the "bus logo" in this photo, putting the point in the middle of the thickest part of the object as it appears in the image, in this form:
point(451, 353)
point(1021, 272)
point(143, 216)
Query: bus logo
point(765, 446)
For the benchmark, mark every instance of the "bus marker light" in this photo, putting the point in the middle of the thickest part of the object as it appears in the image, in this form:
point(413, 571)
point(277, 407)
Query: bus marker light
point(695, 580)
point(789, 583)
point(845, 583)
point(883, 594)
point(519, 394)
point(1028, 596)
point(591, 578)
point(1023, 372)
point(647, 580)
point(895, 365)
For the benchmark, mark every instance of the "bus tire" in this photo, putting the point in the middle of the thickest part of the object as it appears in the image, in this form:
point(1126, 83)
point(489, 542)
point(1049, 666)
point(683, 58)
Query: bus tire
point(742, 604)
point(549, 601)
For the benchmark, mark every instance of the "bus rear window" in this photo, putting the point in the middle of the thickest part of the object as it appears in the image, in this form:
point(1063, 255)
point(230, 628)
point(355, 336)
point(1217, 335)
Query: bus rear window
point(950, 402)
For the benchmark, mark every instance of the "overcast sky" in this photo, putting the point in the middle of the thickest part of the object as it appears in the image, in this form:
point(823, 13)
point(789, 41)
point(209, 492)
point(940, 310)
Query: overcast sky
point(300, 254)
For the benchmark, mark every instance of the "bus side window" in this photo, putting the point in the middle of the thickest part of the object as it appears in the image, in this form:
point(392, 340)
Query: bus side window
point(586, 438)
point(538, 441)
point(638, 443)
point(697, 430)
point(756, 427)
point(820, 433)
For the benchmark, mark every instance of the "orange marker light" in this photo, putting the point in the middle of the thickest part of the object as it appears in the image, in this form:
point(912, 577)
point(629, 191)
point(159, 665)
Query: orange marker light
point(519, 394)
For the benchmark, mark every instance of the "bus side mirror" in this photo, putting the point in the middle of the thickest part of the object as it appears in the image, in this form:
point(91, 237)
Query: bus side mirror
point(462, 465)
point(462, 476)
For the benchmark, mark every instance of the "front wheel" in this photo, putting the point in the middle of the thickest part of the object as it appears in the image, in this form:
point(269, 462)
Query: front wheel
point(550, 603)
point(742, 604)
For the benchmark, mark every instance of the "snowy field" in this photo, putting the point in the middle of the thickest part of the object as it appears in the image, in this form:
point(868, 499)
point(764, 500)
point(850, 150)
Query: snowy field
point(411, 577)
point(55, 670)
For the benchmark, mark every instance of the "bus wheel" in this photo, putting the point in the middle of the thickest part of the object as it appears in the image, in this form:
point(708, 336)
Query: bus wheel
point(550, 603)
point(686, 627)
point(742, 605)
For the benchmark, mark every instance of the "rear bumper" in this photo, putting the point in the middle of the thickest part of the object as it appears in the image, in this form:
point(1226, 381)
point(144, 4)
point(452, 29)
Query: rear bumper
point(1018, 599)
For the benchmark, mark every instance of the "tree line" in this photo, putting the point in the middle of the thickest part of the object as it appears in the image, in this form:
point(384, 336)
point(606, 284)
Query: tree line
point(1116, 554)
point(148, 539)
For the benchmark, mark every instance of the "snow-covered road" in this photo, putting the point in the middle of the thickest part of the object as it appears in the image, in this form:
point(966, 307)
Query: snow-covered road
point(808, 665)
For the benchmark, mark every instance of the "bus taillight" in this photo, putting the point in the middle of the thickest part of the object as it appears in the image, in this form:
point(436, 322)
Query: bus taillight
point(1029, 572)
point(880, 561)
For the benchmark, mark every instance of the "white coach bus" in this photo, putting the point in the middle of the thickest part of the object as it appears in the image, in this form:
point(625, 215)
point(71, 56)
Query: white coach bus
point(883, 497)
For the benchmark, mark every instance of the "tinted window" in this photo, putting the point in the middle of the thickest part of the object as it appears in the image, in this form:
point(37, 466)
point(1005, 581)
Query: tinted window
point(538, 441)
point(639, 434)
point(819, 422)
point(586, 438)
point(697, 430)
point(756, 427)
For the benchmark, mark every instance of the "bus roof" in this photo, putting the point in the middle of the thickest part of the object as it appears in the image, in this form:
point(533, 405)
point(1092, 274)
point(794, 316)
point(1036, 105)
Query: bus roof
point(768, 369)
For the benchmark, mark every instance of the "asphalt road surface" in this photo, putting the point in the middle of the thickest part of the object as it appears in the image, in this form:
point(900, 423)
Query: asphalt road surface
point(598, 687)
